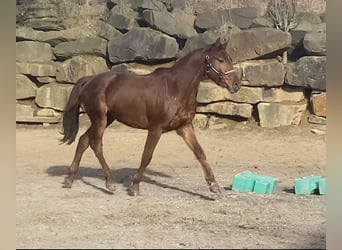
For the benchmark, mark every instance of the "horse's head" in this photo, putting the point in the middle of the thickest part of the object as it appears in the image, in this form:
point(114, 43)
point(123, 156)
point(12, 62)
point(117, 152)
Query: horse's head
point(219, 67)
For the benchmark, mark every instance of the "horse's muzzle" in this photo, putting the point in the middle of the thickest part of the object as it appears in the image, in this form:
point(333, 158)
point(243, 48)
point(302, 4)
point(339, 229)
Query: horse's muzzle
point(236, 86)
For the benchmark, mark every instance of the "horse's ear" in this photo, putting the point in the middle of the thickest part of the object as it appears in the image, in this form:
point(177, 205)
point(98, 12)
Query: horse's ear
point(218, 44)
point(218, 41)
point(224, 45)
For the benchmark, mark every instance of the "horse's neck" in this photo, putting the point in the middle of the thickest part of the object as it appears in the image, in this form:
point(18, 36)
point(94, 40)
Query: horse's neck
point(188, 73)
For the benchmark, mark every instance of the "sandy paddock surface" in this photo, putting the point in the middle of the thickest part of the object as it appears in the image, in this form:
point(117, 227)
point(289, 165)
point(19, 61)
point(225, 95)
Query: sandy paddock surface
point(175, 208)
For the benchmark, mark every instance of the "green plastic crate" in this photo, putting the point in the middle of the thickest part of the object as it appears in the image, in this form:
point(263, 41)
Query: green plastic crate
point(271, 187)
point(262, 187)
point(253, 182)
point(322, 183)
point(243, 181)
point(308, 185)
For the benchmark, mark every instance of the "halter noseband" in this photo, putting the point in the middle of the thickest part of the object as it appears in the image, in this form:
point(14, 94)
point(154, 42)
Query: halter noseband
point(210, 66)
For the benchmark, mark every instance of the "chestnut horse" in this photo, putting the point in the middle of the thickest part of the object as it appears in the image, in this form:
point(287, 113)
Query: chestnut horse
point(161, 101)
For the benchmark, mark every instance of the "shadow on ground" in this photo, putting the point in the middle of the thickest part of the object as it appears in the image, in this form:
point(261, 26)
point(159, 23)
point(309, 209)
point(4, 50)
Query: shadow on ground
point(121, 175)
point(318, 242)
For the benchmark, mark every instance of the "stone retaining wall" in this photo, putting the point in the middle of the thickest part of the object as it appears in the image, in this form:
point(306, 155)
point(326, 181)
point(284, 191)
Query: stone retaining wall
point(57, 42)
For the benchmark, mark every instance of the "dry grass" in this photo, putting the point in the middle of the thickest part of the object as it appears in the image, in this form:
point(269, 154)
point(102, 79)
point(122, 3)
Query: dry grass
point(312, 5)
point(189, 8)
point(282, 12)
point(79, 13)
point(303, 5)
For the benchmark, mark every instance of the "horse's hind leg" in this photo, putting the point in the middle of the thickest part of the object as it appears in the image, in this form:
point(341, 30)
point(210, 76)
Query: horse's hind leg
point(95, 140)
point(188, 134)
point(83, 144)
point(153, 137)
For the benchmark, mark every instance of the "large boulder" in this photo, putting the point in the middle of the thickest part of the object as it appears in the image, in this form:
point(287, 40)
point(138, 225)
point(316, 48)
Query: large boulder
point(209, 92)
point(227, 108)
point(22, 110)
point(53, 96)
point(41, 14)
point(201, 6)
point(297, 49)
point(36, 69)
point(30, 51)
point(308, 17)
point(53, 37)
point(123, 17)
point(308, 71)
point(88, 45)
point(50, 15)
point(299, 31)
point(244, 17)
point(212, 19)
point(240, 17)
point(140, 5)
point(73, 69)
point(32, 113)
point(77, 13)
point(199, 41)
point(25, 88)
point(314, 119)
point(106, 30)
point(142, 44)
point(318, 104)
point(315, 43)
point(268, 73)
point(91, 29)
point(150, 5)
point(273, 115)
point(256, 43)
point(177, 23)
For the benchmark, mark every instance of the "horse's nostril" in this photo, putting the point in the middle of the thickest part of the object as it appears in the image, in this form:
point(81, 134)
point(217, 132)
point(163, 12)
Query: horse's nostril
point(236, 86)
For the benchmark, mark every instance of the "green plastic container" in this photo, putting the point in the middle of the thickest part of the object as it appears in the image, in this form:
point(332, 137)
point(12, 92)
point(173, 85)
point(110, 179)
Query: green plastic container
point(322, 186)
point(307, 185)
point(253, 182)
point(243, 181)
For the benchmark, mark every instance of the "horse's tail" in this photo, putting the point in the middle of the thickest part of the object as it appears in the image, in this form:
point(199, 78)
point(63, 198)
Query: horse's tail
point(71, 113)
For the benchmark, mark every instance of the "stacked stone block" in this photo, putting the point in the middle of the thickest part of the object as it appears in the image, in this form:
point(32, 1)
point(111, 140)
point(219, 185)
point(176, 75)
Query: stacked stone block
point(81, 38)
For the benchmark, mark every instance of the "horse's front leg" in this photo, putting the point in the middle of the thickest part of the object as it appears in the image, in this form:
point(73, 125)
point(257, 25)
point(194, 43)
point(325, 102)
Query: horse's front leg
point(153, 137)
point(188, 134)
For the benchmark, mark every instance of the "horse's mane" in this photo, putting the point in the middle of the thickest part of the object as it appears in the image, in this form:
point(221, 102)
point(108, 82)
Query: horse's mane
point(191, 53)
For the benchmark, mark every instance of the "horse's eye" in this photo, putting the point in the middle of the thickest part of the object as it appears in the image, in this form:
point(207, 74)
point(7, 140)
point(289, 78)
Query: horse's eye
point(220, 60)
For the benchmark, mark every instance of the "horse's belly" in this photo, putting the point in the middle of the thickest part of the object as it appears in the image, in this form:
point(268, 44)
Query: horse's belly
point(134, 123)
point(132, 118)
point(179, 120)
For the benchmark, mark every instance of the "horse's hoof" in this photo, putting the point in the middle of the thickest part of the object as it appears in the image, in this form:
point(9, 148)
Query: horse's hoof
point(68, 182)
point(133, 191)
point(215, 188)
point(110, 186)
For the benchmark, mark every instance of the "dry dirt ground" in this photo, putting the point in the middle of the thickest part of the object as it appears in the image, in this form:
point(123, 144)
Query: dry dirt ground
point(175, 208)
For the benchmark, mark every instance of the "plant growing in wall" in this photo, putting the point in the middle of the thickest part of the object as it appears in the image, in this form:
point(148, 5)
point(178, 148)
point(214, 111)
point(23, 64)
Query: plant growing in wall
point(282, 13)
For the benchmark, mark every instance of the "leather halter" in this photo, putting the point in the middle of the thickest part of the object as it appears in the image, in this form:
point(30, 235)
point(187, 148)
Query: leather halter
point(210, 66)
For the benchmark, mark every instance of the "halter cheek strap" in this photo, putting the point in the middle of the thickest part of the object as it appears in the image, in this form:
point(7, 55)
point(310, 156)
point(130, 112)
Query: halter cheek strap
point(211, 67)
